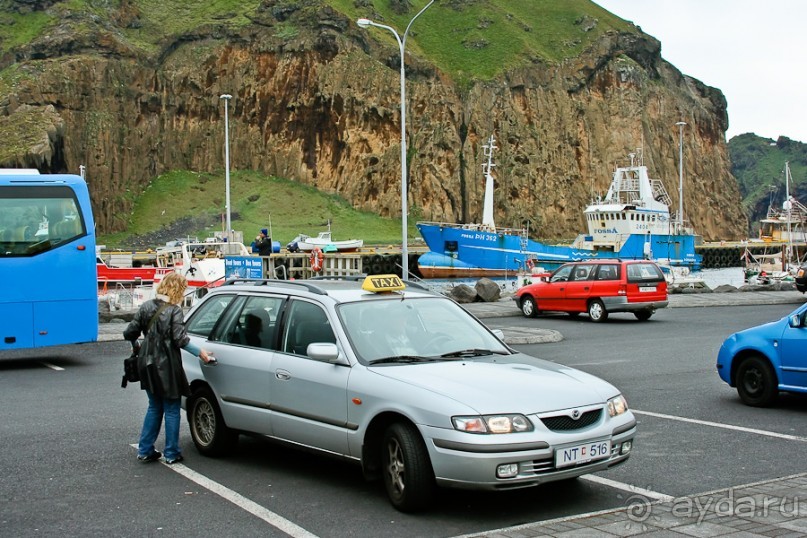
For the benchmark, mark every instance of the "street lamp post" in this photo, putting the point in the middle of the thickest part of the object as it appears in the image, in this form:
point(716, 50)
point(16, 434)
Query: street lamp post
point(227, 98)
point(680, 125)
point(364, 23)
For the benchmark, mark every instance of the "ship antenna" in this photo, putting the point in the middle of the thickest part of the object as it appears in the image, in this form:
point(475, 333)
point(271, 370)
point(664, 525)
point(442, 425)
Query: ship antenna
point(632, 158)
point(488, 151)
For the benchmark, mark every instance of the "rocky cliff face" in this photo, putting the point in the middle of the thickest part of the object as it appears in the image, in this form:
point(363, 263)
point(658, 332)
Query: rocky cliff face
point(322, 107)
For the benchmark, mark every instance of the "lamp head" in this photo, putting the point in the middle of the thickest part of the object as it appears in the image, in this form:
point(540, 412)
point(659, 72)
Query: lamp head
point(681, 123)
point(226, 96)
point(364, 23)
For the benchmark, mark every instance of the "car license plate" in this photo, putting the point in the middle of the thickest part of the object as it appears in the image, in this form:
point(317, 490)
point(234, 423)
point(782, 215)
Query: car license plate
point(647, 288)
point(575, 455)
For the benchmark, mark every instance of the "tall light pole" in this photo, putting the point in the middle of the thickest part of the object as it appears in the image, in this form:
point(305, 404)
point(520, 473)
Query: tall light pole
point(364, 23)
point(680, 125)
point(227, 98)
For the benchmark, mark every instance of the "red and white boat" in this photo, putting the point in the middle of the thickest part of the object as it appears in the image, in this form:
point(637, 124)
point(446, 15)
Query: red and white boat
point(202, 263)
point(109, 274)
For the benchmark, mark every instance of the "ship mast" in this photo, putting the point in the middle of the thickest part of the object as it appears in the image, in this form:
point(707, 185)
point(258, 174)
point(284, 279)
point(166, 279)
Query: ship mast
point(681, 125)
point(487, 208)
point(788, 205)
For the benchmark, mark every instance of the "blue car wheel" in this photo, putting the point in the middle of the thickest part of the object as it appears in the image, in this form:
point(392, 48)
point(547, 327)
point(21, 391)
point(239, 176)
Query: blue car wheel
point(756, 382)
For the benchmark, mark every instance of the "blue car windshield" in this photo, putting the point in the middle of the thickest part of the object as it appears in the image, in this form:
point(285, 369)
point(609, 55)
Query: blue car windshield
point(421, 327)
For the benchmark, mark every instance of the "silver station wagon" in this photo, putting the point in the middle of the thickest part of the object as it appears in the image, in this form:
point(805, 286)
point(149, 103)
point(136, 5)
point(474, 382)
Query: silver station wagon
point(399, 379)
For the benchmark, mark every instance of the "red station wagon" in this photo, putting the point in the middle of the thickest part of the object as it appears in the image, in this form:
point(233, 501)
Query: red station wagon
point(599, 288)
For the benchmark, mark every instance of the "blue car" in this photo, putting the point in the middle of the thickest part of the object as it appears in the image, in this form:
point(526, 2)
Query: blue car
point(764, 360)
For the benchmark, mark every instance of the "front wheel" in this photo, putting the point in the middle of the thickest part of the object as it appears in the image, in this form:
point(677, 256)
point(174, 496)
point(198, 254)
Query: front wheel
point(408, 476)
point(210, 434)
point(528, 307)
point(597, 311)
point(756, 382)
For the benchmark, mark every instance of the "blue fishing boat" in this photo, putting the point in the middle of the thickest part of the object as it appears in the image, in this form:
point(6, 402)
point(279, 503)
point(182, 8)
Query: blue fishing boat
point(632, 221)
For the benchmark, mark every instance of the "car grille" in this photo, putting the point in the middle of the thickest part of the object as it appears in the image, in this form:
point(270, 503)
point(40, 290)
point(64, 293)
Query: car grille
point(563, 423)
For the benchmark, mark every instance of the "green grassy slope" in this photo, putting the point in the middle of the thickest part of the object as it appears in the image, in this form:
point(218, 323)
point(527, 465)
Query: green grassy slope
point(257, 202)
point(467, 39)
point(759, 163)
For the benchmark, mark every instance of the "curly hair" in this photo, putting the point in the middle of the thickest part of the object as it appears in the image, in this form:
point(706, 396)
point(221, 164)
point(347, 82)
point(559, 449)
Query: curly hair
point(173, 285)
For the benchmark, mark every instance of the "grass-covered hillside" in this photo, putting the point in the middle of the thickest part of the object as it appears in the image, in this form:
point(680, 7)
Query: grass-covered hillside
point(759, 166)
point(181, 204)
point(468, 39)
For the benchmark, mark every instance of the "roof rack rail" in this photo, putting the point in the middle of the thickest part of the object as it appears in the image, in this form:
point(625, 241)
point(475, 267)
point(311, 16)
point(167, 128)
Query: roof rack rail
point(360, 278)
point(313, 288)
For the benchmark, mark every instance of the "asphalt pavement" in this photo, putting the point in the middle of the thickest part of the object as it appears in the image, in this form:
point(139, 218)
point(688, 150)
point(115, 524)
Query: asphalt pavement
point(770, 508)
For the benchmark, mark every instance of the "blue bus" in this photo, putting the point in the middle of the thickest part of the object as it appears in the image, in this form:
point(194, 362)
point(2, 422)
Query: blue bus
point(48, 277)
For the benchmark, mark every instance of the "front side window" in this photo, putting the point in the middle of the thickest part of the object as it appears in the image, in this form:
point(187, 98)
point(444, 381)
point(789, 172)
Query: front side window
point(37, 219)
point(562, 274)
point(581, 272)
point(306, 324)
point(205, 317)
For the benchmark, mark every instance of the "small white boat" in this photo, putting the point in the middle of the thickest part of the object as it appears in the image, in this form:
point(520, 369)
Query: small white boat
point(325, 242)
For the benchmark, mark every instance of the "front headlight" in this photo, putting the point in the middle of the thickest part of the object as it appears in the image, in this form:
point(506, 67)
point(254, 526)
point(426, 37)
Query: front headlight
point(617, 405)
point(493, 424)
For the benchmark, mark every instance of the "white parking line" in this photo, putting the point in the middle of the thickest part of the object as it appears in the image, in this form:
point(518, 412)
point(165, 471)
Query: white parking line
point(724, 426)
point(650, 494)
point(242, 502)
point(53, 366)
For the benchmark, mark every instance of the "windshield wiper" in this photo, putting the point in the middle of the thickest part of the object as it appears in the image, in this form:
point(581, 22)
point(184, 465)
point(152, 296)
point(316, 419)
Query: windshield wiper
point(473, 353)
point(408, 359)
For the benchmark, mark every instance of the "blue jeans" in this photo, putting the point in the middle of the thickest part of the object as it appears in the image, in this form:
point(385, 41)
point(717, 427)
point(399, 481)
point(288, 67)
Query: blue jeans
point(159, 406)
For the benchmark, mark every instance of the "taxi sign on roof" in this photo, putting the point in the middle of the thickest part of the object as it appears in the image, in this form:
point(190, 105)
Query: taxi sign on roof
point(382, 283)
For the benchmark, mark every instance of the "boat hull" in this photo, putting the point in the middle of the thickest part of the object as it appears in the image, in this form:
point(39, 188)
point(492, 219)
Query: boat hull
point(468, 251)
point(125, 275)
point(341, 246)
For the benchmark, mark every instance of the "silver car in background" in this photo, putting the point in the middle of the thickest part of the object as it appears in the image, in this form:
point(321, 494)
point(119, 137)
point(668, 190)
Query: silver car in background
point(399, 379)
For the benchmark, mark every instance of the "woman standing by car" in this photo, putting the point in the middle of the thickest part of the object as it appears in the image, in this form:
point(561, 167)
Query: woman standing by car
point(161, 321)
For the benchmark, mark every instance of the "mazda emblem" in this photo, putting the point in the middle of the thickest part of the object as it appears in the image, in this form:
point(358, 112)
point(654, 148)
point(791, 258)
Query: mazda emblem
point(576, 414)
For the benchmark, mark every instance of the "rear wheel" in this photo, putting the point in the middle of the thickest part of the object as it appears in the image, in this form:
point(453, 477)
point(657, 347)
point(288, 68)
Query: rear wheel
point(528, 307)
point(643, 315)
point(407, 470)
point(210, 434)
point(756, 382)
point(597, 311)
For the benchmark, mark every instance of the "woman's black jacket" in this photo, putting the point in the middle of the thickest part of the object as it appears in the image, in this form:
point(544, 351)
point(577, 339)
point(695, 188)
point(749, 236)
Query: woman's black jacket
point(160, 359)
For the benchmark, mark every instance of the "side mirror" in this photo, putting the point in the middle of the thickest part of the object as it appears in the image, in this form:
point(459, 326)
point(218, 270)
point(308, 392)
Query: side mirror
point(795, 321)
point(323, 351)
point(498, 333)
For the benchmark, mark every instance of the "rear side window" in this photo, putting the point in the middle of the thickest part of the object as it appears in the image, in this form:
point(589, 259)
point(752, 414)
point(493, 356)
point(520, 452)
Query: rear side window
point(256, 324)
point(608, 272)
point(644, 272)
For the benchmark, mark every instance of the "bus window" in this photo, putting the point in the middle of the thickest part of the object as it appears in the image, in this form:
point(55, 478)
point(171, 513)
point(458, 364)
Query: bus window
point(47, 262)
point(39, 218)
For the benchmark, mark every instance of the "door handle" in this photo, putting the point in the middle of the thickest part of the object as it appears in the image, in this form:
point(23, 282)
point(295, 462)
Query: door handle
point(283, 375)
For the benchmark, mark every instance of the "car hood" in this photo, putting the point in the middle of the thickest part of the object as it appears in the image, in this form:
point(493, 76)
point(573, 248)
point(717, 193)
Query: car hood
point(505, 384)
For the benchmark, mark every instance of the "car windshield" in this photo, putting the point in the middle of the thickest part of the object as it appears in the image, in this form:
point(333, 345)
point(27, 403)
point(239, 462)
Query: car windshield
point(415, 331)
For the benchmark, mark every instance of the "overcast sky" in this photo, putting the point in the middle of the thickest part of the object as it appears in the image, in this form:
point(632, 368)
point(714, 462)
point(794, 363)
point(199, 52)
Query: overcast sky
point(755, 51)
